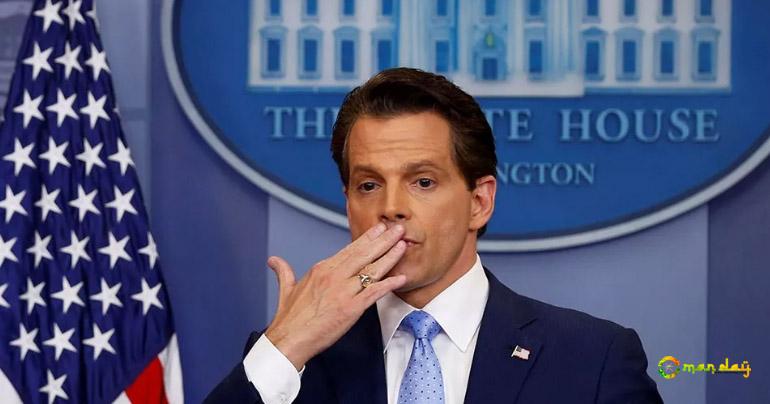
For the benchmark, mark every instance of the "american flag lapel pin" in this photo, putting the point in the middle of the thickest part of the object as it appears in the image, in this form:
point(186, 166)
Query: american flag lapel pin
point(521, 353)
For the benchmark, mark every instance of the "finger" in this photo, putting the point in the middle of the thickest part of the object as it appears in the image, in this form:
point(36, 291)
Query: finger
point(375, 291)
point(285, 275)
point(371, 234)
point(366, 250)
point(384, 264)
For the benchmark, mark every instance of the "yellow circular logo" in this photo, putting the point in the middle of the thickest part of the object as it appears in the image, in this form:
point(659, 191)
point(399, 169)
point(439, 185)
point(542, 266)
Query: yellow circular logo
point(669, 367)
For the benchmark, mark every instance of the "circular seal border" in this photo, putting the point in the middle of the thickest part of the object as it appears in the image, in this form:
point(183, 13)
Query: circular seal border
point(632, 225)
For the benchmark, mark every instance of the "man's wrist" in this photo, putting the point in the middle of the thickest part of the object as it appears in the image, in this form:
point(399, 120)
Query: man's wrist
point(292, 350)
point(271, 373)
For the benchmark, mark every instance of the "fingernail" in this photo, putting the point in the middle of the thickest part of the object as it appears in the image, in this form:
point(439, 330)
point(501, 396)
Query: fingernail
point(399, 228)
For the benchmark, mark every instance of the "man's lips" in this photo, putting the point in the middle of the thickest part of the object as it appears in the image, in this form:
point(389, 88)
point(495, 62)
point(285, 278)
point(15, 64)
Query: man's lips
point(409, 242)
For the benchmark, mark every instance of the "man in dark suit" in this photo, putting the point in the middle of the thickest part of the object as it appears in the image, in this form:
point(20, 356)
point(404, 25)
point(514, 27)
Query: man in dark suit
point(406, 313)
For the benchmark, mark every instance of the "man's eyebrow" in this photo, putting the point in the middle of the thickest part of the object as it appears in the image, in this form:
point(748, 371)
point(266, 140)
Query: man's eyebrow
point(363, 168)
point(422, 165)
point(408, 167)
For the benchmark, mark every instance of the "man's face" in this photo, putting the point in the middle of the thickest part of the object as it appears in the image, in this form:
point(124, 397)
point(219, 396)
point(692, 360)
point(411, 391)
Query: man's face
point(402, 171)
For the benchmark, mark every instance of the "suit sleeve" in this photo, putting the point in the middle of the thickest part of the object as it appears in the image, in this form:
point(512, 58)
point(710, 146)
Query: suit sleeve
point(235, 387)
point(264, 376)
point(624, 376)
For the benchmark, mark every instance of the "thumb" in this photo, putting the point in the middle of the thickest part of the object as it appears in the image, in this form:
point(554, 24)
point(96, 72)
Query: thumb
point(285, 275)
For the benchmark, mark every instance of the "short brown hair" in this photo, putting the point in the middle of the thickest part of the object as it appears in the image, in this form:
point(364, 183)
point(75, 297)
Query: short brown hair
point(402, 90)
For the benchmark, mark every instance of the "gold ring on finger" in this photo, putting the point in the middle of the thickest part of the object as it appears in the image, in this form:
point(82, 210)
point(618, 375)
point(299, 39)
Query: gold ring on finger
point(365, 280)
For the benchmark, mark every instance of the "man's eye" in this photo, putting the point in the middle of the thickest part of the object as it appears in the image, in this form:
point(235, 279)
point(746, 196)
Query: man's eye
point(367, 186)
point(425, 182)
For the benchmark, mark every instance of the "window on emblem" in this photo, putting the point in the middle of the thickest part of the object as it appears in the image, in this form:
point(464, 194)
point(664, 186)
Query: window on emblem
point(310, 9)
point(628, 11)
point(274, 8)
point(629, 42)
point(705, 53)
point(346, 53)
point(348, 8)
point(310, 52)
point(704, 11)
point(593, 54)
point(666, 49)
point(386, 8)
point(490, 7)
point(384, 52)
point(442, 8)
point(591, 10)
point(535, 58)
point(442, 56)
point(592, 59)
point(534, 9)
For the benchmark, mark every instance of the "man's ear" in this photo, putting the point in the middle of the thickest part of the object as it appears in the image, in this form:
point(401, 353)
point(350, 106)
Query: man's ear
point(482, 201)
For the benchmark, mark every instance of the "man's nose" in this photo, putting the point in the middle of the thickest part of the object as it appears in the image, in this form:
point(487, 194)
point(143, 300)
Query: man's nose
point(395, 206)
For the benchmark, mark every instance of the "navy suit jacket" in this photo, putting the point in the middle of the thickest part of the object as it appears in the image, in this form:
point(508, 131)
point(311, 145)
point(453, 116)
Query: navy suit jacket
point(574, 358)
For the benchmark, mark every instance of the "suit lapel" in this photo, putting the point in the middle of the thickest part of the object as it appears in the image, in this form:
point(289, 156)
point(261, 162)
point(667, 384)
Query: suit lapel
point(495, 376)
point(356, 365)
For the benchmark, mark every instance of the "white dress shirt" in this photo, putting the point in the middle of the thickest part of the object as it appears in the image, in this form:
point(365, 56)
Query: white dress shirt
point(458, 310)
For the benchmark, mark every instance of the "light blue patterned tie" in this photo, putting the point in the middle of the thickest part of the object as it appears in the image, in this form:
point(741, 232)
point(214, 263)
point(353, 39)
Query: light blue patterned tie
point(422, 382)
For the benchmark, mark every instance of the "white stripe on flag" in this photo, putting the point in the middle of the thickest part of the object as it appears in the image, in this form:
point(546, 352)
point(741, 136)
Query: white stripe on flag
point(122, 399)
point(172, 372)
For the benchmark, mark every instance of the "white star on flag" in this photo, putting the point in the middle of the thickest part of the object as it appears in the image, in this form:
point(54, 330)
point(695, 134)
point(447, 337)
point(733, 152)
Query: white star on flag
point(100, 341)
point(20, 156)
point(72, 11)
point(49, 14)
point(39, 60)
point(60, 341)
point(69, 294)
point(122, 157)
point(12, 203)
point(3, 302)
point(92, 14)
point(32, 295)
point(26, 341)
point(6, 250)
point(98, 62)
point(76, 249)
point(150, 250)
point(108, 295)
point(90, 156)
point(55, 155)
point(69, 59)
point(84, 203)
point(40, 248)
point(54, 388)
point(122, 203)
point(95, 109)
point(47, 202)
point(29, 108)
point(63, 107)
point(148, 296)
point(116, 250)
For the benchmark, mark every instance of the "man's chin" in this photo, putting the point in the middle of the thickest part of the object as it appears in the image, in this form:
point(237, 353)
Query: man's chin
point(411, 272)
point(402, 268)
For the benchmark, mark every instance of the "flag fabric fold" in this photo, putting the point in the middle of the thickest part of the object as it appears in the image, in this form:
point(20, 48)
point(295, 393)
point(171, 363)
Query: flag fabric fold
point(84, 312)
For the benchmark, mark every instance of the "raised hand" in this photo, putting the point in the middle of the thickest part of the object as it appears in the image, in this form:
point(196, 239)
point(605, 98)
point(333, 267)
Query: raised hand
point(315, 312)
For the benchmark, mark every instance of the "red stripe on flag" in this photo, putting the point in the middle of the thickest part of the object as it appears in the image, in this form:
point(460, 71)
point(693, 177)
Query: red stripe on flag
point(148, 387)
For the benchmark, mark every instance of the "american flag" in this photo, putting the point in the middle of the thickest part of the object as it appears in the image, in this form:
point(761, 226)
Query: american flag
point(84, 314)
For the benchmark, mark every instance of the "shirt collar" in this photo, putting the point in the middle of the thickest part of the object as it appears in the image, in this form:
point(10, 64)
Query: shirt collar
point(458, 309)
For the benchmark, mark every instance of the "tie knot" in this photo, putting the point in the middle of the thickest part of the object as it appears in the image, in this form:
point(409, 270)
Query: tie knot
point(421, 325)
